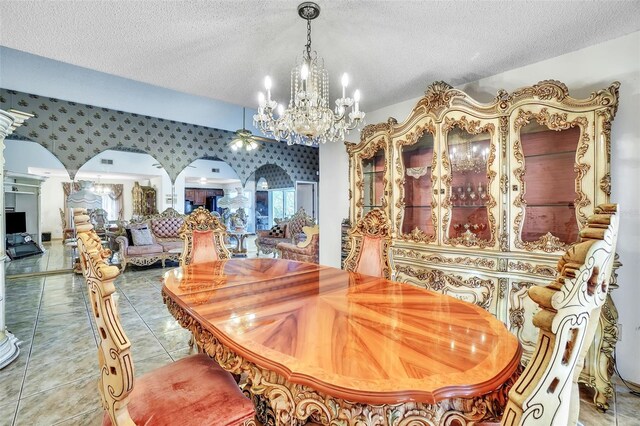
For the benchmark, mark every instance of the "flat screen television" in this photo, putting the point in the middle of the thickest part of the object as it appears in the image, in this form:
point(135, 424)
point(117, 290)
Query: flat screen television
point(15, 222)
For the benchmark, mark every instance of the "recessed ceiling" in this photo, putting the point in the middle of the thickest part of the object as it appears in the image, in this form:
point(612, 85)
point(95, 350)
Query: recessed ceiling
point(392, 49)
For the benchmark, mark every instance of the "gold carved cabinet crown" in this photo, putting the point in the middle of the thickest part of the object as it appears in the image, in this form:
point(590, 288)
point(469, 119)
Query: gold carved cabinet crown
point(485, 197)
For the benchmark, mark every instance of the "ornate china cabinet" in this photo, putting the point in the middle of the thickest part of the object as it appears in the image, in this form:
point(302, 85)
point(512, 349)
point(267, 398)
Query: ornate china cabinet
point(484, 198)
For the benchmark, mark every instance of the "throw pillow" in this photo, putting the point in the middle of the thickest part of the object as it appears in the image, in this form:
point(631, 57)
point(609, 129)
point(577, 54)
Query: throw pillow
point(142, 237)
point(278, 230)
point(129, 237)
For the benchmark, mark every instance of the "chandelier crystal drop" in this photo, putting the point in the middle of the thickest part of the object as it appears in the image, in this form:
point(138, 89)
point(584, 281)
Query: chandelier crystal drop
point(309, 119)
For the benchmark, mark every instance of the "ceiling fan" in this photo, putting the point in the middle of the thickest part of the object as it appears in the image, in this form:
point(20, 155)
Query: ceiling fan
point(244, 139)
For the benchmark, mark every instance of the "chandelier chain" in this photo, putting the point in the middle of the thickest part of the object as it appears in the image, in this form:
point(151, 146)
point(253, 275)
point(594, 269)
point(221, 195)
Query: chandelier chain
point(308, 39)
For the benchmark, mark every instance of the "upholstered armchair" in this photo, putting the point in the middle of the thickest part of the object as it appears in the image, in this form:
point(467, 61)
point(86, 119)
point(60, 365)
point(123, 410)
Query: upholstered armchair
point(203, 235)
point(192, 391)
point(370, 239)
point(286, 231)
point(305, 251)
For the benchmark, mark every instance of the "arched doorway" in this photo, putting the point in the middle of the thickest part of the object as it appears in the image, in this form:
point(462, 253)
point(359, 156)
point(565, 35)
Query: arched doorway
point(275, 195)
point(114, 173)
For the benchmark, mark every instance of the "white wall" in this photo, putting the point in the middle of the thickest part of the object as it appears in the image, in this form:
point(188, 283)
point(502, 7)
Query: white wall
point(41, 76)
point(583, 71)
point(333, 206)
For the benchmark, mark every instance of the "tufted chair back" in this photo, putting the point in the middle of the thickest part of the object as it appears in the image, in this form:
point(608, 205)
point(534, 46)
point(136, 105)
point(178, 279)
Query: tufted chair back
point(370, 240)
point(203, 236)
point(570, 308)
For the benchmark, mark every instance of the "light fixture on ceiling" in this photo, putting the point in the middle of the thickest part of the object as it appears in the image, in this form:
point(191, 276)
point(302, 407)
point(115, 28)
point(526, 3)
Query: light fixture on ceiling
point(309, 120)
point(100, 189)
point(244, 139)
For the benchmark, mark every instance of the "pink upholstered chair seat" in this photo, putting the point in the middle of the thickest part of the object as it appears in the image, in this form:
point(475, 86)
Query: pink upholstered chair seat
point(192, 391)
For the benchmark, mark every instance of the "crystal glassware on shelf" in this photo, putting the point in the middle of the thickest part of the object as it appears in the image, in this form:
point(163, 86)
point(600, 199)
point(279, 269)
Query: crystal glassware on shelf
point(483, 193)
point(471, 194)
point(462, 196)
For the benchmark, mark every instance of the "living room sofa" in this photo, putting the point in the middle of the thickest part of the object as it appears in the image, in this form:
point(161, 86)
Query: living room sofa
point(285, 231)
point(165, 243)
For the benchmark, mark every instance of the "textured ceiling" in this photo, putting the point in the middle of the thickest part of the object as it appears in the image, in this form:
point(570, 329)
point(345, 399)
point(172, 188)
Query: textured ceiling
point(391, 49)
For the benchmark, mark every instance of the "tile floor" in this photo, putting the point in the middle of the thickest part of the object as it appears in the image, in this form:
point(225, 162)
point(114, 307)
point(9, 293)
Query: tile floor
point(54, 379)
point(57, 257)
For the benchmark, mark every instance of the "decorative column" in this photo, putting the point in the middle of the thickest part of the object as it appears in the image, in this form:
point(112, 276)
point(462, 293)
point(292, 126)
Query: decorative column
point(9, 350)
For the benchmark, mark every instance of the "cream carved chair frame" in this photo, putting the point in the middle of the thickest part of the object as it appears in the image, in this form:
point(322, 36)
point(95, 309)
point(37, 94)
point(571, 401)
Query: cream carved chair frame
point(375, 224)
point(547, 391)
point(202, 220)
point(116, 381)
point(114, 354)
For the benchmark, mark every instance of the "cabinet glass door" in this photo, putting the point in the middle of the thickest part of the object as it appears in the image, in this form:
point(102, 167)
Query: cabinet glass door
point(418, 189)
point(467, 186)
point(549, 192)
point(373, 181)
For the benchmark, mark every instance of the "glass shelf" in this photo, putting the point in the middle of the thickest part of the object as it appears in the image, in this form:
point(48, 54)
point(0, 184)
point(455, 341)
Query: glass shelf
point(373, 181)
point(549, 182)
point(468, 154)
point(417, 159)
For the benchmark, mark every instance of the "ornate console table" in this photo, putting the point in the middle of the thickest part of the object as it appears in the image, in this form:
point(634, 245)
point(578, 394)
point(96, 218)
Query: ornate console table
point(341, 348)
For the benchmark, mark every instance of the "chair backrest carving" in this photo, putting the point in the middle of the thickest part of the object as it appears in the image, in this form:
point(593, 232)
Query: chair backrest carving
point(114, 354)
point(203, 236)
point(544, 393)
point(370, 239)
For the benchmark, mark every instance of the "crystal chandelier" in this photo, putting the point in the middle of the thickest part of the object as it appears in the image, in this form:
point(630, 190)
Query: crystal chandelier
point(100, 189)
point(469, 158)
point(309, 120)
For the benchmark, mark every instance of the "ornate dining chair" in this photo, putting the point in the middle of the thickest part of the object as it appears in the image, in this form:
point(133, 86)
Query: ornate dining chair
point(203, 235)
point(370, 239)
point(192, 391)
point(547, 391)
point(305, 251)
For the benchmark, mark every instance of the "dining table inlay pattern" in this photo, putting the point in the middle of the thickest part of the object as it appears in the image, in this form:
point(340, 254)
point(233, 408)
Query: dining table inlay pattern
point(355, 338)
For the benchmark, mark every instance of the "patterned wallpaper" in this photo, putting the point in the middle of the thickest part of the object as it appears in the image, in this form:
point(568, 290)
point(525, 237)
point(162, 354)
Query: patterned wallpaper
point(275, 176)
point(75, 133)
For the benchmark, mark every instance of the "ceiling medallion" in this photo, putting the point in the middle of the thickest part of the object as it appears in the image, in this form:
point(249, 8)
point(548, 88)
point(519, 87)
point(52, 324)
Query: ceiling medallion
point(309, 120)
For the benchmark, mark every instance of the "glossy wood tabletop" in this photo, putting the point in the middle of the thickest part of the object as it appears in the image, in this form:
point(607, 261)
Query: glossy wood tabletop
point(352, 336)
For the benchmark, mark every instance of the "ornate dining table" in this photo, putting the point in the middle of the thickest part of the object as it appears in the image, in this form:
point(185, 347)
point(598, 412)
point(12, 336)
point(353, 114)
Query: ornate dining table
point(317, 343)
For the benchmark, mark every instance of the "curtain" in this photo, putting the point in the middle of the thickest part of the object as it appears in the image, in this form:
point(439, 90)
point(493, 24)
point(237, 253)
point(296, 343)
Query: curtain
point(111, 202)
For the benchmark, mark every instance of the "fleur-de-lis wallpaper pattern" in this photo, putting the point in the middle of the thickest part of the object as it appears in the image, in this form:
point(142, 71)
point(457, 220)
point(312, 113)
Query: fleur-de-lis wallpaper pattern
point(75, 133)
point(275, 176)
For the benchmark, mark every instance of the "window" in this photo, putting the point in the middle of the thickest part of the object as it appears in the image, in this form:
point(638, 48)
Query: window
point(283, 203)
point(112, 206)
